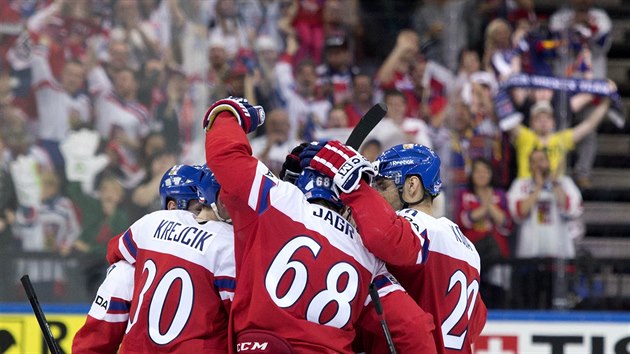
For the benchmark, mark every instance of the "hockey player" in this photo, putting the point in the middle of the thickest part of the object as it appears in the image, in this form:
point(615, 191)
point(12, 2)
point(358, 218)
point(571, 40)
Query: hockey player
point(303, 269)
point(402, 312)
point(447, 286)
point(178, 190)
point(177, 250)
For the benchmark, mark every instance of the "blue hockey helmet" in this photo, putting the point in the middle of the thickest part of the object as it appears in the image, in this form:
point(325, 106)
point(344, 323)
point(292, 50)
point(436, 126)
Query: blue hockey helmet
point(208, 187)
point(401, 161)
point(179, 183)
point(316, 185)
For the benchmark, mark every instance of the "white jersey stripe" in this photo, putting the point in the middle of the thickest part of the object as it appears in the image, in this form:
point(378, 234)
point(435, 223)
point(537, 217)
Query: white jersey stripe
point(255, 189)
point(123, 249)
point(119, 317)
point(226, 295)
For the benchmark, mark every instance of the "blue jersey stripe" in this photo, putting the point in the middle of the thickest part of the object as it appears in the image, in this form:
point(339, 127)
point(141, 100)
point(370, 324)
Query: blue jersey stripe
point(225, 284)
point(131, 247)
point(263, 197)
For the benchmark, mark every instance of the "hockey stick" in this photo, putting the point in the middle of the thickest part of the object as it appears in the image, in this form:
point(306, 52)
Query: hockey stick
point(366, 124)
point(379, 311)
point(39, 314)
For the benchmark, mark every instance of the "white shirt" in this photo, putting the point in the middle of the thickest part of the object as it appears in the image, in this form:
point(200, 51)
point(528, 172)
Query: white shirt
point(54, 104)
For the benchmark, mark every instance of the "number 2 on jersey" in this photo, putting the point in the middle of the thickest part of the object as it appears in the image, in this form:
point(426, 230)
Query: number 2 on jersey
point(283, 262)
point(451, 340)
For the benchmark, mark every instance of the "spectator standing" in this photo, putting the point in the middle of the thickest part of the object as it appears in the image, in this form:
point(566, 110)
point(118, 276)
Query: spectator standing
point(586, 27)
point(100, 202)
point(119, 117)
point(498, 55)
point(587, 31)
point(117, 57)
point(488, 141)
point(543, 134)
point(484, 216)
point(266, 87)
point(171, 117)
point(308, 24)
point(219, 68)
point(468, 63)
point(62, 105)
point(544, 205)
point(431, 86)
point(102, 218)
point(335, 127)
point(335, 74)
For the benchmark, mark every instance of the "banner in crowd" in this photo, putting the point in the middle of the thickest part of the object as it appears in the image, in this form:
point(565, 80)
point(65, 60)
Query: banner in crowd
point(506, 332)
point(509, 117)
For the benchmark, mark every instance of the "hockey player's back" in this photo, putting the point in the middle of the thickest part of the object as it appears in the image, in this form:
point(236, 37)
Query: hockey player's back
point(176, 257)
point(447, 286)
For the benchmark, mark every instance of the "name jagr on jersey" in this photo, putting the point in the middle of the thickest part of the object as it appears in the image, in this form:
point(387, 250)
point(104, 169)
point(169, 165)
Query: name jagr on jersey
point(336, 220)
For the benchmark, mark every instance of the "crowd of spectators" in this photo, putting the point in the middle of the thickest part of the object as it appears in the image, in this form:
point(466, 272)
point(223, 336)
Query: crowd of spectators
point(98, 98)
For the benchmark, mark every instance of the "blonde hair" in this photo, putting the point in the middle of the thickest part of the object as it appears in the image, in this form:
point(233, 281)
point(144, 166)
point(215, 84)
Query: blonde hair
point(490, 44)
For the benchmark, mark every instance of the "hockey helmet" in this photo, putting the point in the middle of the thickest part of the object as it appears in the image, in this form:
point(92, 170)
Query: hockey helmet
point(208, 187)
point(180, 183)
point(316, 185)
point(401, 161)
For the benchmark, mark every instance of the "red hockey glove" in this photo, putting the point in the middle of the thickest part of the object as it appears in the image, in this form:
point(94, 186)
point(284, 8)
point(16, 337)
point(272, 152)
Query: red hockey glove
point(340, 162)
point(248, 116)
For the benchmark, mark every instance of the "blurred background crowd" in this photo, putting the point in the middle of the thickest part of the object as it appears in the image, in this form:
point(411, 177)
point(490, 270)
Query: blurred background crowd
point(98, 98)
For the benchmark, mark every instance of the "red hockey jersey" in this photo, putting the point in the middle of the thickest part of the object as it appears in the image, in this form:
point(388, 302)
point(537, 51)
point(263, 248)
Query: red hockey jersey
point(303, 270)
point(184, 282)
point(447, 286)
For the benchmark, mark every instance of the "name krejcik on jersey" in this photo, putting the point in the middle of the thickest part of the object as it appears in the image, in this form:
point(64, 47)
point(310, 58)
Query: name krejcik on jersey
point(189, 235)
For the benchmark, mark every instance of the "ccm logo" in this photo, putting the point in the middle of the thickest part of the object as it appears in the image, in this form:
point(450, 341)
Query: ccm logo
point(347, 167)
point(246, 346)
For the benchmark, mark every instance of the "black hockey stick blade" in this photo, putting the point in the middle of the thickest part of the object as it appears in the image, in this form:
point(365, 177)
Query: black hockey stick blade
point(39, 314)
point(366, 124)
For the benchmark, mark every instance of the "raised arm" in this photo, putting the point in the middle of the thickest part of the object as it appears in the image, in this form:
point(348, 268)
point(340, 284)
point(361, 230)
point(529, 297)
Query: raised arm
point(592, 121)
point(245, 182)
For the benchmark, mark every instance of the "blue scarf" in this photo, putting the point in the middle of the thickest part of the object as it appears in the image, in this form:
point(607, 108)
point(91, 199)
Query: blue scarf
point(509, 117)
